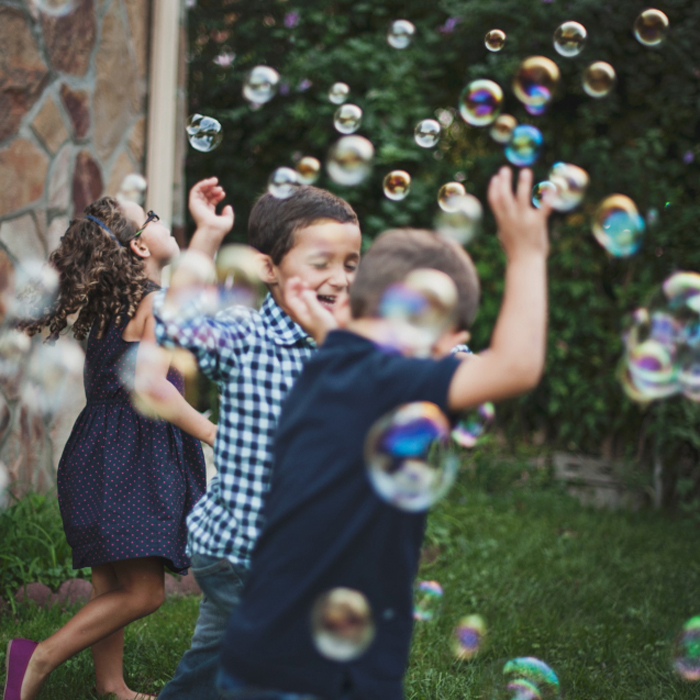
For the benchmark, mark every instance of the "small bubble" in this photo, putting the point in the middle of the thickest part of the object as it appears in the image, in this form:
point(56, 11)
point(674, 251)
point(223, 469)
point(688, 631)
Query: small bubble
point(617, 225)
point(283, 182)
point(261, 85)
point(480, 102)
point(338, 93)
point(599, 79)
point(397, 185)
point(473, 425)
point(571, 183)
point(525, 145)
point(502, 129)
point(536, 80)
point(468, 637)
point(308, 170)
point(400, 34)
point(651, 27)
point(427, 600)
point(350, 160)
point(427, 133)
point(347, 118)
point(448, 195)
point(495, 40)
point(204, 133)
point(569, 39)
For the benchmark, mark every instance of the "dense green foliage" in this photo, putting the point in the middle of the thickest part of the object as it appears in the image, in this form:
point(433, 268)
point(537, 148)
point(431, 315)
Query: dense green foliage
point(598, 596)
point(633, 141)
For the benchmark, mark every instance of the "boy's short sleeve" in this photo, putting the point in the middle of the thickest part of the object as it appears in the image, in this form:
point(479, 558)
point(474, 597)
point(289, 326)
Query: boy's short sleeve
point(216, 342)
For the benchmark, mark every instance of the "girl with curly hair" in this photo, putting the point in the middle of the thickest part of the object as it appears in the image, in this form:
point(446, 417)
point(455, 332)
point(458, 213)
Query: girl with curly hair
point(125, 482)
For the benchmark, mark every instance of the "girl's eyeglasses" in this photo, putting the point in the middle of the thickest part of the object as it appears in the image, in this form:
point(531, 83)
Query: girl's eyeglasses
point(152, 216)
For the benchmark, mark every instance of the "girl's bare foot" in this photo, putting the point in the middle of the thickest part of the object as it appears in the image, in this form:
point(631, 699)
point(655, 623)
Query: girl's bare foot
point(125, 693)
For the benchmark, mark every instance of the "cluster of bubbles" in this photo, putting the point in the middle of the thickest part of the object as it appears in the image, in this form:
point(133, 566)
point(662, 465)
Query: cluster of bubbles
point(56, 8)
point(662, 343)
point(342, 625)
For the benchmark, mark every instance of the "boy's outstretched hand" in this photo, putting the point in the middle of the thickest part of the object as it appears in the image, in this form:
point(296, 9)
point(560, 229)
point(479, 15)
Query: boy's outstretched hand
point(522, 229)
point(205, 196)
point(303, 306)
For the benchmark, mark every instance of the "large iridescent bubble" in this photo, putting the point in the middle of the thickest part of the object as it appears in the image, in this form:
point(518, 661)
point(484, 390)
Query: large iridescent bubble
point(569, 39)
point(618, 226)
point(480, 102)
point(570, 183)
point(407, 456)
point(651, 27)
point(535, 81)
point(525, 145)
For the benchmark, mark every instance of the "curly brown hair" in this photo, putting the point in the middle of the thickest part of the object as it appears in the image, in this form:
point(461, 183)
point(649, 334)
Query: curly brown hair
point(100, 278)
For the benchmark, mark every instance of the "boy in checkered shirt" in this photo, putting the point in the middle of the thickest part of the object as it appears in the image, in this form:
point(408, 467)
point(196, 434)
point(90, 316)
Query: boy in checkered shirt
point(254, 357)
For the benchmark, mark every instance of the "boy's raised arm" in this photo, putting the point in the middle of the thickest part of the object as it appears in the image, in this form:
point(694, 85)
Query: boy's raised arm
point(514, 361)
point(204, 197)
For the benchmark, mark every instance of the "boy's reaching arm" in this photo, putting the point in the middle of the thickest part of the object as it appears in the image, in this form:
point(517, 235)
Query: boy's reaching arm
point(514, 361)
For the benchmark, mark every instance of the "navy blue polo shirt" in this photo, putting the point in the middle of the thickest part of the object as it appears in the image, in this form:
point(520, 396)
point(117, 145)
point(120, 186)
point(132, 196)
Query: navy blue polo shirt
point(326, 528)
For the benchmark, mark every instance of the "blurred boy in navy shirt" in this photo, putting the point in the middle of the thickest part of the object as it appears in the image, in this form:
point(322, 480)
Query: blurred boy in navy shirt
point(326, 528)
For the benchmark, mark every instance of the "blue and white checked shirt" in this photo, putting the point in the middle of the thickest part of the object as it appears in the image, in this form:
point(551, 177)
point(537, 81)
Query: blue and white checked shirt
point(254, 357)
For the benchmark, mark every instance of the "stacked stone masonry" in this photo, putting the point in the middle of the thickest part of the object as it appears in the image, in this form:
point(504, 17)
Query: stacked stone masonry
point(73, 100)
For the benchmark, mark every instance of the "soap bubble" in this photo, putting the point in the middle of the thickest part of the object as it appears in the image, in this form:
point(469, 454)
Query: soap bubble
point(338, 93)
point(686, 652)
point(50, 370)
point(203, 133)
point(283, 182)
point(543, 189)
point(651, 27)
point(525, 145)
point(238, 277)
point(397, 453)
point(261, 85)
point(473, 425)
point(350, 160)
point(502, 129)
point(569, 39)
point(495, 40)
point(132, 189)
point(308, 169)
point(341, 624)
point(535, 81)
point(32, 290)
point(397, 184)
point(448, 195)
point(480, 102)
point(599, 79)
point(347, 118)
point(400, 34)
point(427, 599)
point(56, 8)
point(570, 184)
point(427, 133)
point(618, 226)
point(468, 637)
point(461, 223)
point(529, 671)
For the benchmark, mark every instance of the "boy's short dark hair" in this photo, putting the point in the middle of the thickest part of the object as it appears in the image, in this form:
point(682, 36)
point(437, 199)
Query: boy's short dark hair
point(397, 252)
point(273, 221)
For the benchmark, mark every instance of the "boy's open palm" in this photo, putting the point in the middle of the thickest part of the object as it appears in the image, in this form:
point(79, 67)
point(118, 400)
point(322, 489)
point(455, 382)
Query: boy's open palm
point(522, 229)
point(205, 196)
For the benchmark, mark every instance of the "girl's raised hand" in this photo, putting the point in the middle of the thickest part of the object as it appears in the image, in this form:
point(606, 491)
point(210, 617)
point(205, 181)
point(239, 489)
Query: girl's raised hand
point(205, 196)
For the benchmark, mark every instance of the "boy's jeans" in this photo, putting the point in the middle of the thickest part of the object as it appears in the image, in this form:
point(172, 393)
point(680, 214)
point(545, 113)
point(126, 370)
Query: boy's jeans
point(221, 582)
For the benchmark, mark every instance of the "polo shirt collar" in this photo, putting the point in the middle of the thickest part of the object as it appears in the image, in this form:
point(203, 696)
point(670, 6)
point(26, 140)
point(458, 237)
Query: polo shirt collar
point(283, 330)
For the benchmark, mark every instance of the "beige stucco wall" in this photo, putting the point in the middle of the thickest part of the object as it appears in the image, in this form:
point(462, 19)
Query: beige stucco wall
point(73, 123)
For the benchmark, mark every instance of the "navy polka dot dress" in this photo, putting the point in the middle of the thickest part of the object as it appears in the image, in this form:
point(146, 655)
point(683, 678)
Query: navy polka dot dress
point(125, 483)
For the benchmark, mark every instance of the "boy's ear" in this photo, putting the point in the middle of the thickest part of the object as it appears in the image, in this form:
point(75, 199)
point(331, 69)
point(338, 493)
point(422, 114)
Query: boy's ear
point(139, 247)
point(268, 272)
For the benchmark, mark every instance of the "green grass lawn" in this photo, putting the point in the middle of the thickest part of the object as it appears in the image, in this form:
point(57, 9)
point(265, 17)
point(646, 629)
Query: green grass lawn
point(599, 596)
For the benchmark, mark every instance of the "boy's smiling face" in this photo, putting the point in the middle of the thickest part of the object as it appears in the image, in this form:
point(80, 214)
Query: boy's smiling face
point(325, 255)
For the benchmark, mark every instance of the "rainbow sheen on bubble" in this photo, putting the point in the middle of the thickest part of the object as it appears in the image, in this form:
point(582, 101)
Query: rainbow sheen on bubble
point(400, 34)
point(618, 226)
point(599, 79)
point(525, 145)
point(495, 40)
point(686, 651)
point(347, 118)
point(651, 27)
point(204, 133)
point(535, 81)
point(461, 223)
point(283, 183)
point(407, 457)
point(427, 133)
point(427, 600)
point(338, 93)
point(529, 677)
point(468, 637)
point(501, 130)
point(570, 182)
point(396, 185)
point(308, 170)
point(570, 39)
point(342, 625)
point(261, 85)
point(480, 102)
point(473, 425)
point(350, 160)
point(543, 189)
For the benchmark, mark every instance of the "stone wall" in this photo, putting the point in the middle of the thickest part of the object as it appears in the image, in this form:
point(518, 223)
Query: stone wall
point(72, 124)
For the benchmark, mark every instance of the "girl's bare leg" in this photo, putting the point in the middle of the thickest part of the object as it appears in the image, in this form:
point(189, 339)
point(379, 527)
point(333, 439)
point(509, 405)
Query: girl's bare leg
point(108, 654)
point(140, 592)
